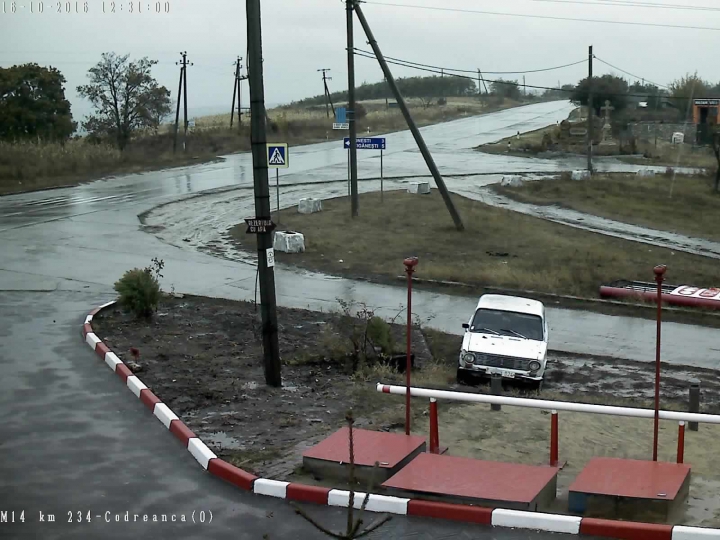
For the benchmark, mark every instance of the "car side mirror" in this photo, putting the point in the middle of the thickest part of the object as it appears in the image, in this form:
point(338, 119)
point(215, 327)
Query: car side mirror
point(466, 326)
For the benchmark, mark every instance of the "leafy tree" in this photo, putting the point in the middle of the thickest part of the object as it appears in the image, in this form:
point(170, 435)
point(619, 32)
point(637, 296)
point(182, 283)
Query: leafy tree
point(506, 89)
point(125, 96)
point(606, 88)
point(33, 105)
point(689, 87)
point(564, 92)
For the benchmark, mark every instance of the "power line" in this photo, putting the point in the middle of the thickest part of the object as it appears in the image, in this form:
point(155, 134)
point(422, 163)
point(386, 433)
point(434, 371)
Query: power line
point(634, 3)
point(475, 70)
point(439, 71)
point(547, 17)
point(628, 73)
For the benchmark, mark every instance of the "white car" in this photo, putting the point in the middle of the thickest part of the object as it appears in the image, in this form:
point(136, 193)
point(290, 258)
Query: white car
point(508, 336)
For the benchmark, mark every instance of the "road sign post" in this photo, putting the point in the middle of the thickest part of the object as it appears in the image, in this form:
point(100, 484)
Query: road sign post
point(278, 157)
point(368, 143)
point(382, 193)
point(341, 119)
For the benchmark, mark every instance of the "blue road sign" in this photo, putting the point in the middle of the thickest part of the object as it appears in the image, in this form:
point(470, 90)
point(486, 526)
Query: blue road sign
point(277, 156)
point(368, 143)
point(341, 115)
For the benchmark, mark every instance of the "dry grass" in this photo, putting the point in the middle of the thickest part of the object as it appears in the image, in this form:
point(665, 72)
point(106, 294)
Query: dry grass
point(498, 248)
point(28, 166)
point(530, 142)
point(686, 205)
point(674, 155)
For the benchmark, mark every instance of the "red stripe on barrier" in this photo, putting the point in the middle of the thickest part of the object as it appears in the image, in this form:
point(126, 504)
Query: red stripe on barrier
point(230, 473)
point(311, 494)
point(386, 389)
point(101, 350)
point(181, 431)
point(95, 311)
point(149, 399)
point(455, 512)
point(87, 329)
point(123, 372)
point(625, 530)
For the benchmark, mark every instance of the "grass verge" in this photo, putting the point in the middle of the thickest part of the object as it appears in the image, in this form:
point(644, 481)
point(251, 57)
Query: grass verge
point(685, 205)
point(498, 247)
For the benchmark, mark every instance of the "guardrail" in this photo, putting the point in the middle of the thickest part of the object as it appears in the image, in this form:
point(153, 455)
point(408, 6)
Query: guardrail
point(547, 405)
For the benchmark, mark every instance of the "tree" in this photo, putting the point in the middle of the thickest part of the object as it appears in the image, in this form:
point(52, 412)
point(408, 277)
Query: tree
point(716, 150)
point(689, 87)
point(506, 89)
point(606, 88)
point(33, 105)
point(125, 96)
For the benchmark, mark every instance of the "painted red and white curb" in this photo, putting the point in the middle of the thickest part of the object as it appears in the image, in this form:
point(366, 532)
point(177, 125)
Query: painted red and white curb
point(496, 517)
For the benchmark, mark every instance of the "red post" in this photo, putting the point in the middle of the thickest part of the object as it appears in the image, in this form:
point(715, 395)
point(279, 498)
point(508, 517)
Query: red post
point(410, 264)
point(659, 277)
point(434, 434)
point(681, 442)
point(554, 439)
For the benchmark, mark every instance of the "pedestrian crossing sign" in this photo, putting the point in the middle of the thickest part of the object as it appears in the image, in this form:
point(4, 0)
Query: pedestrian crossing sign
point(277, 156)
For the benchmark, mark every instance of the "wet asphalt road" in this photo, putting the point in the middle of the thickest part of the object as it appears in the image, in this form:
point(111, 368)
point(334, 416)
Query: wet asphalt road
point(73, 439)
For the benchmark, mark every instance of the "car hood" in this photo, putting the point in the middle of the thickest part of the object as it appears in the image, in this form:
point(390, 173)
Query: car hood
point(504, 345)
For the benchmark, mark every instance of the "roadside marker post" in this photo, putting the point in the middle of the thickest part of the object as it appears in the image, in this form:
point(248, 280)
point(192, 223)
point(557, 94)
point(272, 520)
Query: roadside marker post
point(278, 157)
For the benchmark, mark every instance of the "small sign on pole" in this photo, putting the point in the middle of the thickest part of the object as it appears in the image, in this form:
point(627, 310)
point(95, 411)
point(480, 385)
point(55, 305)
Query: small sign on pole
point(367, 143)
point(278, 156)
point(341, 119)
point(256, 225)
point(338, 125)
point(270, 253)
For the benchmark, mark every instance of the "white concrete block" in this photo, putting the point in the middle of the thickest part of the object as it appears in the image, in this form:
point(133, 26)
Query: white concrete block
point(419, 188)
point(694, 533)
point(536, 521)
point(580, 175)
point(309, 205)
point(200, 452)
point(678, 137)
point(273, 488)
point(376, 503)
point(92, 340)
point(163, 413)
point(289, 242)
point(514, 181)
point(112, 360)
point(136, 385)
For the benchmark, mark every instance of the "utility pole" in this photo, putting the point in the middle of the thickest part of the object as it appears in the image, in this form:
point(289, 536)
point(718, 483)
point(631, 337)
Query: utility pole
point(266, 274)
point(524, 87)
point(411, 124)
point(183, 83)
point(349, 6)
point(591, 112)
point(327, 93)
point(236, 87)
point(480, 78)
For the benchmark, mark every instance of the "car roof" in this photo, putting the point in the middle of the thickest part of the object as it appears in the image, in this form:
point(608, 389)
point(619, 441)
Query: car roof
point(511, 303)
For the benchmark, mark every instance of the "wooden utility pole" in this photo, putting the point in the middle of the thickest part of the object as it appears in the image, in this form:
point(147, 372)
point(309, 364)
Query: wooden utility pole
point(236, 91)
point(354, 204)
point(328, 98)
point(411, 124)
point(266, 274)
point(182, 90)
point(591, 112)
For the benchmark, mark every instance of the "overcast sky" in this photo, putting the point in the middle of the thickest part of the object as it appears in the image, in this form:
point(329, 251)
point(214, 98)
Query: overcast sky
point(301, 36)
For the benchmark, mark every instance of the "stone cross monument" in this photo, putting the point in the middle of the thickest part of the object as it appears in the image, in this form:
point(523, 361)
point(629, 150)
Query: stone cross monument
point(607, 128)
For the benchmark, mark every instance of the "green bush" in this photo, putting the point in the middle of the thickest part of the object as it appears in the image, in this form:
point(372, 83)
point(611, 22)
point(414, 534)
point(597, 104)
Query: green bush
point(139, 292)
point(379, 334)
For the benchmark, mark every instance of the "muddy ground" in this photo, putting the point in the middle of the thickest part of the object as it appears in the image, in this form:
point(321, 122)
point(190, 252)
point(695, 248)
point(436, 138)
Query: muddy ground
point(203, 358)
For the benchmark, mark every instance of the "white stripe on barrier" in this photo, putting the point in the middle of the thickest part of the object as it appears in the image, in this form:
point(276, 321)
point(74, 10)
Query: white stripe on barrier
point(694, 533)
point(136, 385)
point(92, 340)
point(112, 360)
point(200, 452)
point(273, 488)
point(376, 503)
point(164, 414)
point(533, 520)
point(107, 304)
point(88, 319)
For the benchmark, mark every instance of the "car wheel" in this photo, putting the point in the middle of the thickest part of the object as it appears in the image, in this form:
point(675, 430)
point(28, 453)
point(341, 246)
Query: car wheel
point(462, 377)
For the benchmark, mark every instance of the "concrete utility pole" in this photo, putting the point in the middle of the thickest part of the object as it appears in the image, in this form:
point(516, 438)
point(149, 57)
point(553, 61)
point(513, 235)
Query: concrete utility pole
point(183, 84)
point(271, 350)
point(328, 99)
point(349, 6)
point(411, 124)
point(591, 112)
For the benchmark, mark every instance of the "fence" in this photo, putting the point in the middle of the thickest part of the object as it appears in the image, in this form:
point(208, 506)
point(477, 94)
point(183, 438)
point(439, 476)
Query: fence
point(547, 405)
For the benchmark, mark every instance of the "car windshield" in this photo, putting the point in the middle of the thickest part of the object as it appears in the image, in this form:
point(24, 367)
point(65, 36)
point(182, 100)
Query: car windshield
point(507, 323)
